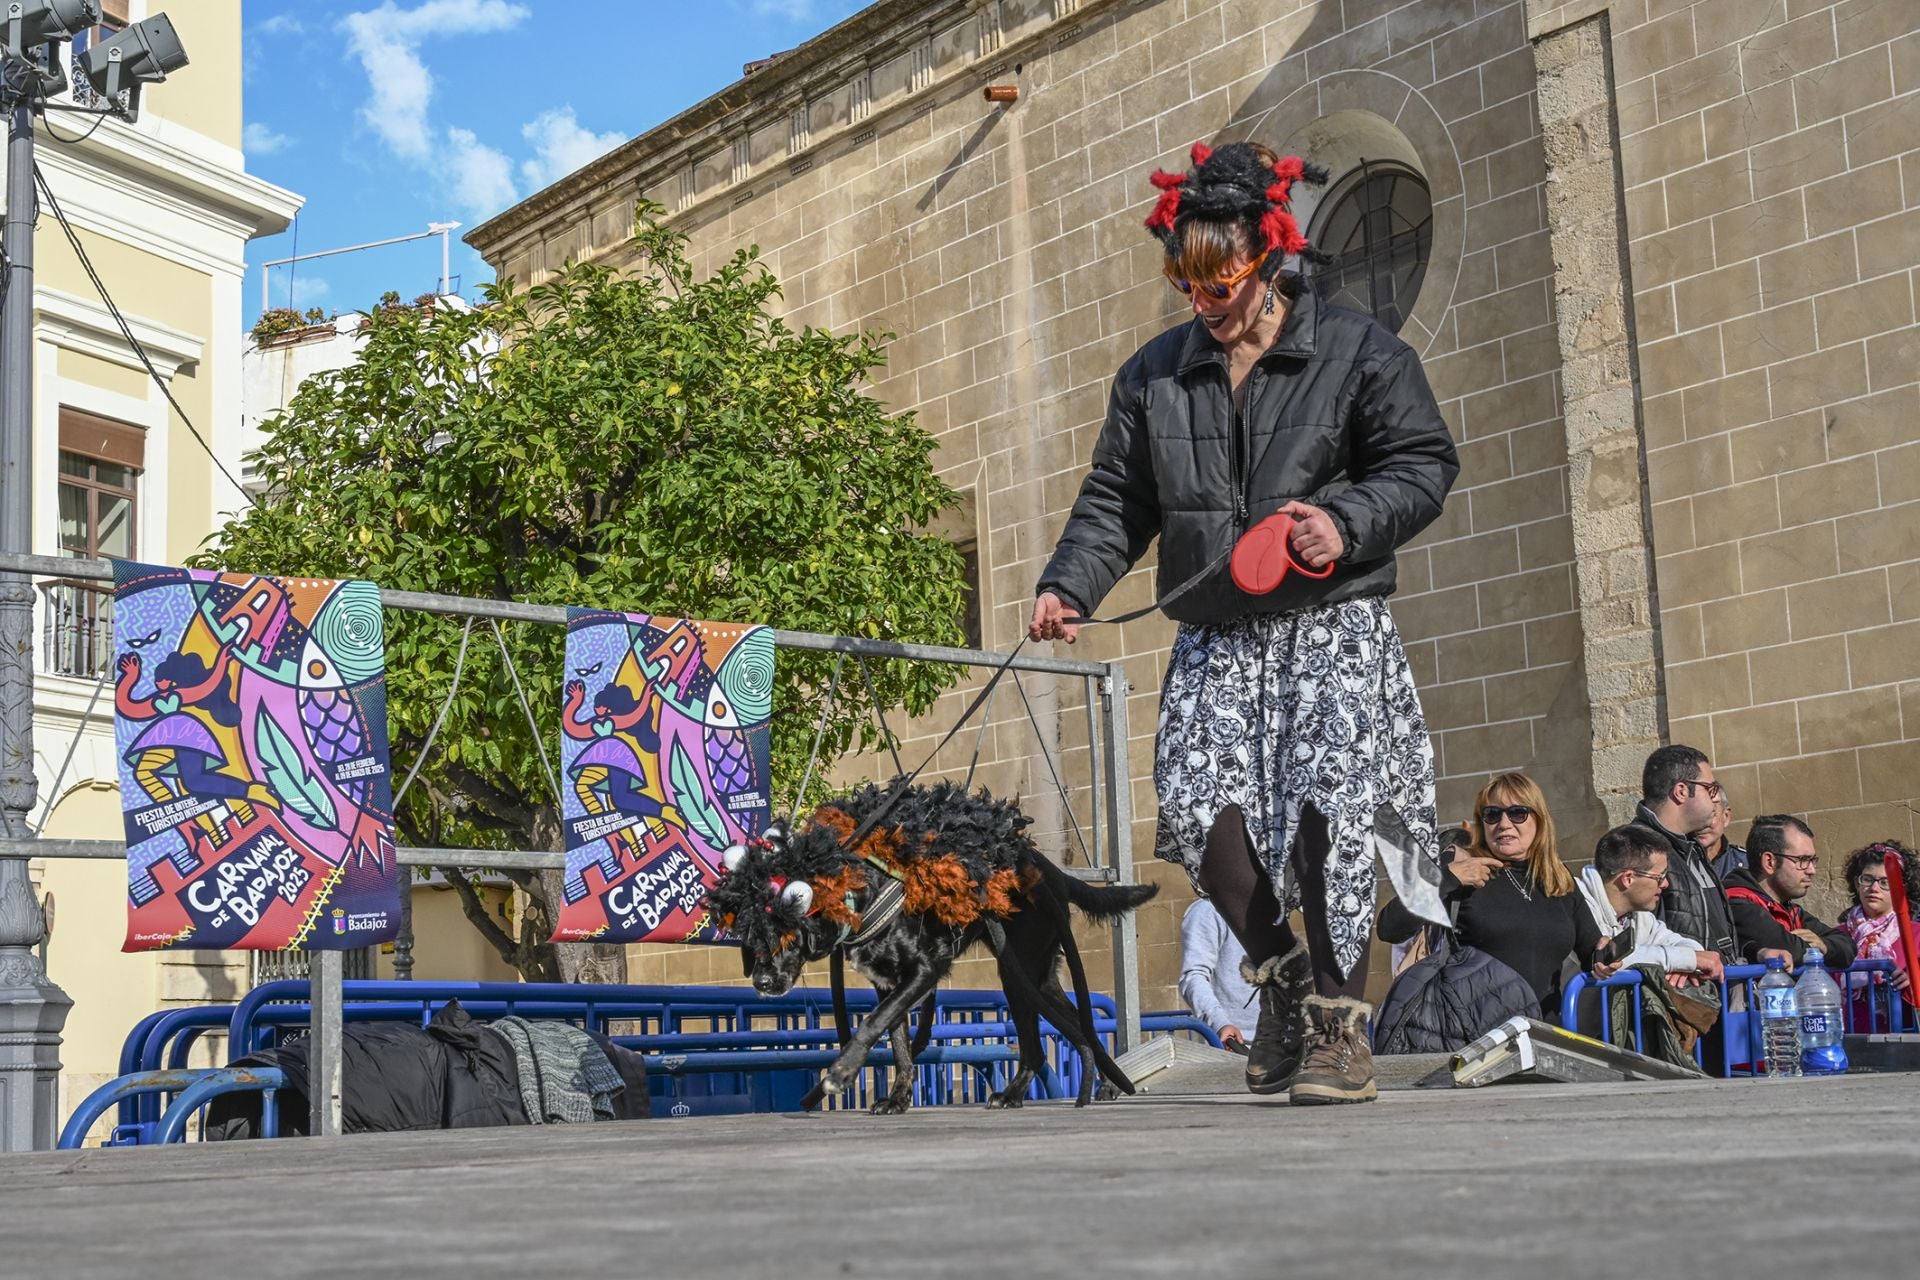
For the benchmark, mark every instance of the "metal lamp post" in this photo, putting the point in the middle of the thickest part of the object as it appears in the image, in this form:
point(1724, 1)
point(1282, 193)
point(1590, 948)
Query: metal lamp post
point(33, 1011)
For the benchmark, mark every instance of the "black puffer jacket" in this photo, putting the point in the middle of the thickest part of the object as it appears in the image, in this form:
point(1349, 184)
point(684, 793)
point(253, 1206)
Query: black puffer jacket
point(1338, 414)
point(1694, 903)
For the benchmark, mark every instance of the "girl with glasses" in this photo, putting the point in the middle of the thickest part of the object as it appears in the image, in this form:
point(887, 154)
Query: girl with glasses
point(1871, 924)
point(1291, 746)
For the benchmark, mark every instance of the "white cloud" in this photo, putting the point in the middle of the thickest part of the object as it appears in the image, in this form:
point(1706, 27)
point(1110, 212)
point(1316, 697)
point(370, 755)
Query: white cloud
point(280, 24)
point(386, 41)
point(482, 176)
point(259, 140)
point(309, 290)
point(561, 146)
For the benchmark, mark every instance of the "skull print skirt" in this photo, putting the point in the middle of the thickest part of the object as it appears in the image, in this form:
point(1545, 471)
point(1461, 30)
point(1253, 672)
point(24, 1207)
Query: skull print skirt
point(1275, 712)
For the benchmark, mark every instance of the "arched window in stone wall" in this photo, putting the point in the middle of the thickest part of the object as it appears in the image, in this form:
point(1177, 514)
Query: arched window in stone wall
point(1376, 221)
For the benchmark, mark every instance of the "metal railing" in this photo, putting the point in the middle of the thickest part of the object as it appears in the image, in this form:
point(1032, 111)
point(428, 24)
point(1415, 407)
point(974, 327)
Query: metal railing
point(76, 629)
point(1109, 794)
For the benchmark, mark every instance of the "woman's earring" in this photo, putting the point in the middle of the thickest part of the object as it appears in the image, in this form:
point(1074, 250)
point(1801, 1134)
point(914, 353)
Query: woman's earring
point(1267, 306)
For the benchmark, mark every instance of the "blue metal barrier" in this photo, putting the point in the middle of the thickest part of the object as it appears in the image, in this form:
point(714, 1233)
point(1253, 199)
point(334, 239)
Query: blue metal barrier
point(743, 1021)
point(194, 1089)
point(1738, 1030)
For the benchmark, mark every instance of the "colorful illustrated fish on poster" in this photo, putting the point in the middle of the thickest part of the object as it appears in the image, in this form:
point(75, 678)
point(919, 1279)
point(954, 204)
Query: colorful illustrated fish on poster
point(665, 762)
point(250, 718)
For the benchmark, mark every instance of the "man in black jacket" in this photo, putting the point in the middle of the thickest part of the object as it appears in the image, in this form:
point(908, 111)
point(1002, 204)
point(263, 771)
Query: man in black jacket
point(1678, 793)
point(1765, 899)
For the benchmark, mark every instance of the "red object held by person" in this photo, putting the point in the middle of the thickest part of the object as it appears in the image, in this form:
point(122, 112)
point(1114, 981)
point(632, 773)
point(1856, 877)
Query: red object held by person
point(1910, 959)
point(1264, 554)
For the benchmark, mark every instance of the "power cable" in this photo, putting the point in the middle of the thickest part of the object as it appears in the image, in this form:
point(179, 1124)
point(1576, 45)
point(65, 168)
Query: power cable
point(126, 330)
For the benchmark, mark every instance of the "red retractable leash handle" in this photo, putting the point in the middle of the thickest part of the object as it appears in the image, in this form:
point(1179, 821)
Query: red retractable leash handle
point(1264, 554)
point(1897, 887)
point(1258, 561)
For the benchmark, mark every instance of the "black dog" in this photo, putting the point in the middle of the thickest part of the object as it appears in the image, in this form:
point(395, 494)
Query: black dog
point(939, 870)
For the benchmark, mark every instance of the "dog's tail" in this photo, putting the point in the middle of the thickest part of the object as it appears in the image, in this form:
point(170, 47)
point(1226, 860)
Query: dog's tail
point(1106, 903)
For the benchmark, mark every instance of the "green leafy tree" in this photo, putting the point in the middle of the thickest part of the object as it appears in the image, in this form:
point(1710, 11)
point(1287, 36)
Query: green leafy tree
point(644, 441)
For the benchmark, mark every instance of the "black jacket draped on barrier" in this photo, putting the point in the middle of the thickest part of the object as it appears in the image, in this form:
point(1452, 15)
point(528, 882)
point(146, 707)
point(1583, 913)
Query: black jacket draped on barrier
point(455, 1073)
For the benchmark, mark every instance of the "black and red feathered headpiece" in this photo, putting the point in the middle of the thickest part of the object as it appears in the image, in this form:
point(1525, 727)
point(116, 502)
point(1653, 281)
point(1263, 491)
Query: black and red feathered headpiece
point(1236, 183)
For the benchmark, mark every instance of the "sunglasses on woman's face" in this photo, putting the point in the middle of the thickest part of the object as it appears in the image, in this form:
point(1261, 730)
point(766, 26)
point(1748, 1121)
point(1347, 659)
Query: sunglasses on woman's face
point(1219, 290)
point(1514, 813)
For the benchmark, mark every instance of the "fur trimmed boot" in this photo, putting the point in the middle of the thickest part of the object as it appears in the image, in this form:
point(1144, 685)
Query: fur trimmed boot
point(1273, 1055)
point(1339, 1061)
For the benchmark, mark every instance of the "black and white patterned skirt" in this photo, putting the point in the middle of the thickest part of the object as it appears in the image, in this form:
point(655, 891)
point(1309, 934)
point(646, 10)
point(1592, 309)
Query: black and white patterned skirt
point(1275, 712)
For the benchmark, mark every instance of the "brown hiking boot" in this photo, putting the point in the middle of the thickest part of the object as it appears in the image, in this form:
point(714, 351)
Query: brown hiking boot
point(1273, 1055)
point(1339, 1063)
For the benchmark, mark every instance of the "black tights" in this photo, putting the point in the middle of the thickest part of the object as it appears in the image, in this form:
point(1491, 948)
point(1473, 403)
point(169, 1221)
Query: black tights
point(1233, 877)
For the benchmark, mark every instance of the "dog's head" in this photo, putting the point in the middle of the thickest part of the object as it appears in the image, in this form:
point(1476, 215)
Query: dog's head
point(784, 899)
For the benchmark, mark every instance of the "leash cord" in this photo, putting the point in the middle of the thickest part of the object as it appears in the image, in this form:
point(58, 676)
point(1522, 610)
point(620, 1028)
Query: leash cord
point(1165, 600)
point(903, 781)
point(819, 731)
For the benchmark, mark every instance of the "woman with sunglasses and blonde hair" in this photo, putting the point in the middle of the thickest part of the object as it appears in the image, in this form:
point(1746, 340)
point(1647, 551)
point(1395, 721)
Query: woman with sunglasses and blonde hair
point(1291, 747)
point(1515, 896)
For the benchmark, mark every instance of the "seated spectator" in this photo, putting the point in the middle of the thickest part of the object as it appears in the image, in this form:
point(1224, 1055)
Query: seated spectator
point(1408, 932)
point(1621, 889)
point(1723, 855)
point(1871, 924)
point(1515, 898)
point(1210, 979)
point(1678, 793)
point(1782, 862)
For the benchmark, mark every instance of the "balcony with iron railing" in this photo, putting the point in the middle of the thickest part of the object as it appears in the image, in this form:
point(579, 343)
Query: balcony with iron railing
point(76, 629)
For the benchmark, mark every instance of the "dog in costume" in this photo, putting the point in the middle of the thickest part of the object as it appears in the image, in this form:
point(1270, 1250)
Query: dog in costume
point(901, 881)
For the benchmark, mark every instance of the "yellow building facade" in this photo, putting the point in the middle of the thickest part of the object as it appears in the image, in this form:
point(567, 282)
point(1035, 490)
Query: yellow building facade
point(164, 208)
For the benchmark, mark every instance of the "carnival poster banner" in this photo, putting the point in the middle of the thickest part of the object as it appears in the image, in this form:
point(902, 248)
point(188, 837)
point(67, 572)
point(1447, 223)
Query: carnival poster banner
point(665, 762)
point(250, 720)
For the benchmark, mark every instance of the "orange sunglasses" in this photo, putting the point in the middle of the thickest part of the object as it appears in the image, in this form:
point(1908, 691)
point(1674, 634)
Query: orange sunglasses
point(1218, 290)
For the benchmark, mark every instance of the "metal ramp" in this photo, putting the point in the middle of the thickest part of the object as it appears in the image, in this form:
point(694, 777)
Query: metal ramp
point(1525, 1050)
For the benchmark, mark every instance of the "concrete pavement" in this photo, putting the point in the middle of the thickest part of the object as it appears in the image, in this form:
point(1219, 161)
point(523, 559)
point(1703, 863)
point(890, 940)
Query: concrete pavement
point(1737, 1178)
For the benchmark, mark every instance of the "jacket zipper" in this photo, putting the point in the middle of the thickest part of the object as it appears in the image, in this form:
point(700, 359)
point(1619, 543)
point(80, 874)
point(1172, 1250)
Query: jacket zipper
point(1242, 446)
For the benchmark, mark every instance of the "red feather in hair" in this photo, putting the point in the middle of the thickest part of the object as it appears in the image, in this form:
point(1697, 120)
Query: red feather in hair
point(1282, 232)
point(1168, 206)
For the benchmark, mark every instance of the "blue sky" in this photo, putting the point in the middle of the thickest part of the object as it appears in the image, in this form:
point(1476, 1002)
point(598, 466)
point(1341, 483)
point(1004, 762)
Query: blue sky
point(391, 114)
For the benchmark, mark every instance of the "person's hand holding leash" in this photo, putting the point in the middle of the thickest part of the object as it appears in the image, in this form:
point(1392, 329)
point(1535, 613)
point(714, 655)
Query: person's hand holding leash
point(1230, 1036)
point(1049, 614)
point(1316, 538)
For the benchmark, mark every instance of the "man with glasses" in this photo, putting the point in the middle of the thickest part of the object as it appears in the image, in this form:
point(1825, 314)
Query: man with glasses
point(1783, 863)
point(1622, 888)
point(1678, 793)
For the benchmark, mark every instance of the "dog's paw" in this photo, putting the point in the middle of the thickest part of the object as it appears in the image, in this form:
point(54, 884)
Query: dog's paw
point(890, 1107)
point(1106, 1092)
point(1006, 1100)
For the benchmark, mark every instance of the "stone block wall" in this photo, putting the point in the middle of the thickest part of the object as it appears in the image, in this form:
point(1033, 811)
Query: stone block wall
point(1003, 246)
point(1770, 157)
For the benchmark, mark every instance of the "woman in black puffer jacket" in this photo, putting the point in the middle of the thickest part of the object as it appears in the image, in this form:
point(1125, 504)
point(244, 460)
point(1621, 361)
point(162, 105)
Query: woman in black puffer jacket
point(1291, 746)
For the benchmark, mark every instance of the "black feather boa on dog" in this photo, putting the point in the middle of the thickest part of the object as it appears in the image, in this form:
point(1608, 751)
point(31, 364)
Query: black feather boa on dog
point(959, 856)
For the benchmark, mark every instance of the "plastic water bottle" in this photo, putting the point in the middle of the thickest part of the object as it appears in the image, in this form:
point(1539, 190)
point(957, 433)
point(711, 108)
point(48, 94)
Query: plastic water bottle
point(1779, 1020)
point(1821, 1051)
